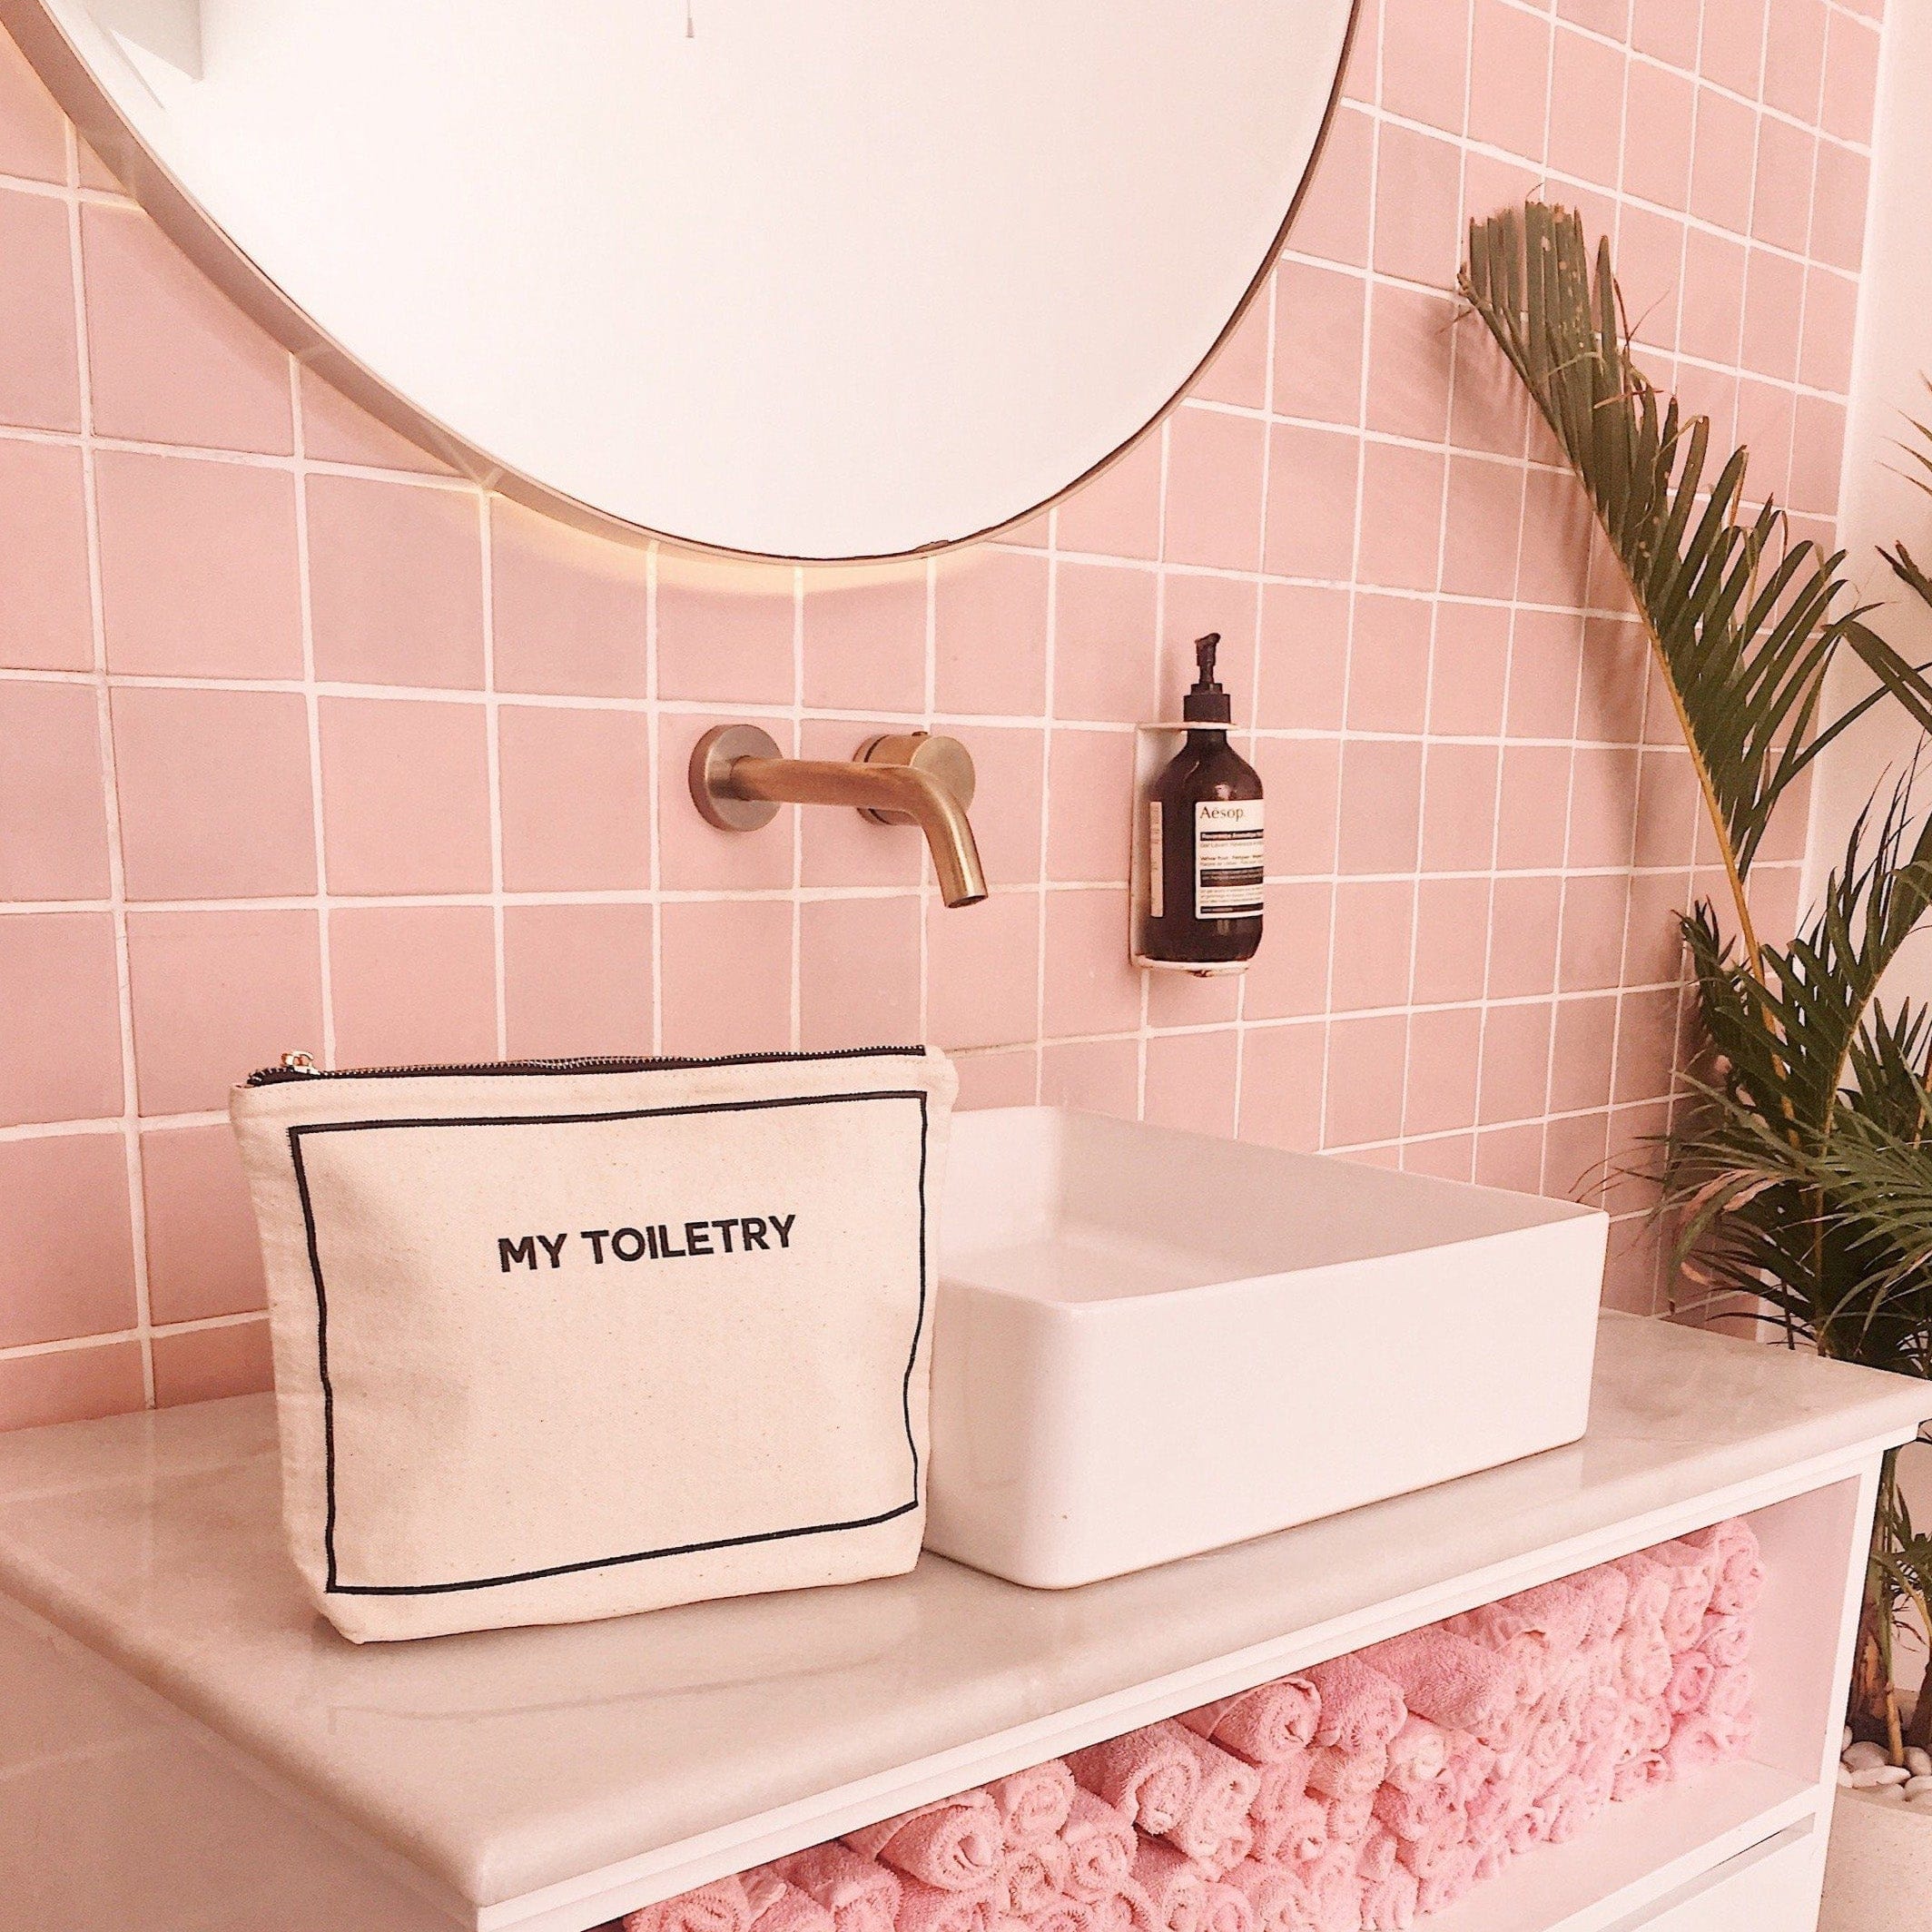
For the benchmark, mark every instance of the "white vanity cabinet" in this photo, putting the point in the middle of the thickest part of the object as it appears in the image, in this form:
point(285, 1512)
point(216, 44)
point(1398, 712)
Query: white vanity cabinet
point(183, 1744)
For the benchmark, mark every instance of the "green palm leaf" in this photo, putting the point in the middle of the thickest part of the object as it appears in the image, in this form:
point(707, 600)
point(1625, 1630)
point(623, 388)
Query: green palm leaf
point(1744, 622)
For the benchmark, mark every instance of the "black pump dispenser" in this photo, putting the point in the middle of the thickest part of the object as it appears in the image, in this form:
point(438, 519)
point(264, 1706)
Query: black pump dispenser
point(1207, 703)
point(1203, 840)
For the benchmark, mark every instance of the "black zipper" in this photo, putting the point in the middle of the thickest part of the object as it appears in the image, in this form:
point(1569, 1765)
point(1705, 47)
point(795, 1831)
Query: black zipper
point(299, 1067)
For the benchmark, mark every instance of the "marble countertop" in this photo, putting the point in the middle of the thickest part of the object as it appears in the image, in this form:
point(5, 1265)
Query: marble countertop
point(511, 1764)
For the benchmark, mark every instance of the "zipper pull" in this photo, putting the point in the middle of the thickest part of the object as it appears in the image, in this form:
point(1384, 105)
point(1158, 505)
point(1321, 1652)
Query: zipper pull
point(300, 1063)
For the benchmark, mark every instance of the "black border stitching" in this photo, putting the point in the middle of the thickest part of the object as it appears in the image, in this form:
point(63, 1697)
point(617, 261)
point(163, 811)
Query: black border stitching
point(296, 1134)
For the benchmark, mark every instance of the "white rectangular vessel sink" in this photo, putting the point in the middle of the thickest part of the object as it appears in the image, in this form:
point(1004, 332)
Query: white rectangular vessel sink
point(1148, 1344)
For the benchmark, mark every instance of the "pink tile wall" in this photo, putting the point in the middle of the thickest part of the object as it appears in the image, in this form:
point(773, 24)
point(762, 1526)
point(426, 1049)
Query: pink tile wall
point(309, 745)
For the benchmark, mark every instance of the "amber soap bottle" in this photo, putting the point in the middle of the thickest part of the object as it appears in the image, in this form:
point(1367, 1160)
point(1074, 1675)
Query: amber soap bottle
point(1204, 839)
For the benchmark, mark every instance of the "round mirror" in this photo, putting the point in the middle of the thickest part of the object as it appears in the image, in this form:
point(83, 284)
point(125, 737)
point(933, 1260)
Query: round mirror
point(807, 279)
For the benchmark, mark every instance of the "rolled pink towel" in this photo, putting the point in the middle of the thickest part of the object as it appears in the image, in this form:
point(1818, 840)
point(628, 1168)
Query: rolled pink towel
point(1469, 1765)
point(1725, 1640)
point(1451, 1681)
point(956, 1846)
point(1637, 1775)
point(1262, 1726)
point(1334, 1772)
point(860, 1894)
point(1276, 1900)
point(1416, 1812)
point(1729, 1694)
point(776, 1906)
point(1605, 1591)
point(1215, 1828)
point(1740, 1581)
point(1426, 1855)
point(1175, 1886)
point(1452, 1877)
point(1228, 1909)
point(1378, 1852)
point(1281, 1785)
point(1034, 1804)
point(720, 1907)
point(1101, 1845)
point(1692, 1677)
point(1418, 1753)
point(1646, 1661)
point(1349, 1818)
point(1150, 1775)
point(1696, 1744)
point(1294, 1835)
point(1693, 1574)
point(1389, 1903)
point(1335, 1893)
point(929, 1909)
point(1030, 1881)
point(1361, 1708)
point(1556, 1613)
point(1649, 1592)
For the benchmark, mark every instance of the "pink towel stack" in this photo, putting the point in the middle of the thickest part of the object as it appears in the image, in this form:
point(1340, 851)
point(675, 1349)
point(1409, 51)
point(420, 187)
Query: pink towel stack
point(1361, 1797)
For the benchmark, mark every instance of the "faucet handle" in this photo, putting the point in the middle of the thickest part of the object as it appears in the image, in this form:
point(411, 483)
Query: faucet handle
point(943, 759)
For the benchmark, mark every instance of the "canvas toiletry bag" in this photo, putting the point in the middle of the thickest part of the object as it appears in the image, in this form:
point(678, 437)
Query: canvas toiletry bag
point(568, 1339)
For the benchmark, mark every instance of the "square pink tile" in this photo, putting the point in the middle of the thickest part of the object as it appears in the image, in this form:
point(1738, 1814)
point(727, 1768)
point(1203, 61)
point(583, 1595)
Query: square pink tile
point(1320, 321)
point(1831, 313)
point(203, 1365)
point(1535, 796)
point(405, 796)
point(837, 847)
point(1818, 454)
point(73, 1385)
point(32, 130)
point(40, 384)
point(1586, 114)
point(982, 971)
point(1331, 221)
point(1765, 422)
point(1851, 78)
point(1304, 657)
point(1650, 272)
point(1515, 1063)
point(1590, 955)
point(1580, 1067)
point(865, 639)
point(1616, 669)
point(1401, 515)
point(1712, 320)
point(1311, 510)
point(1089, 806)
point(1238, 371)
point(1656, 143)
point(60, 1028)
point(1646, 1045)
point(395, 583)
point(52, 794)
point(1602, 806)
point(1466, 679)
point(1526, 920)
point(1117, 512)
point(1411, 343)
point(171, 359)
point(1191, 1081)
point(1452, 939)
point(198, 567)
point(1723, 161)
point(1781, 208)
point(204, 1258)
point(1214, 488)
point(1183, 999)
point(1009, 1079)
point(1374, 927)
point(412, 985)
point(337, 431)
point(216, 995)
point(1281, 1085)
point(1509, 83)
point(1009, 806)
point(1381, 805)
point(1388, 681)
point(1418, 191)
point(726, 976)
point(1448, 1157)
point(575, 799)
point(1558, 538)
point(1608, 17)
point(1666, 30)
point(63, 1216)
point(1092, 986)
point(1194, 603)
point(570, 612)
point(47, 617)
point(1425, 62)
point(858, 972)
point(214, 792)
point(577, 979)
point(1459, 808)
point(1445, 1051)
point(1289, 977)
point(1655, 955)
point(1774, 302)
point(1670, 802)
point(1511, 1157)
point(1573, 1157)
point(1103, 663)
point(1367, 1067)
point(1302, 783)
point(1483, 528)
point(1732, 50)
point(989, 631)
point(1096, 1076)
point(1546, 660)
point(725, 631)
point(1794, 57)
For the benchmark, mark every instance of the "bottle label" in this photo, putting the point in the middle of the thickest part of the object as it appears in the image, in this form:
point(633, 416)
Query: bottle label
point(1157, 865)
point(1228, 858)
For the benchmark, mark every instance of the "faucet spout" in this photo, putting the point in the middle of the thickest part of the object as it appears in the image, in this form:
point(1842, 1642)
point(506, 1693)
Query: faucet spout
point(738, 779)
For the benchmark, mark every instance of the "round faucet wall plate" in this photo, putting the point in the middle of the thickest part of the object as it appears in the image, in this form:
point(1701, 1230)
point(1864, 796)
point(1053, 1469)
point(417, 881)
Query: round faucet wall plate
point(712, 758)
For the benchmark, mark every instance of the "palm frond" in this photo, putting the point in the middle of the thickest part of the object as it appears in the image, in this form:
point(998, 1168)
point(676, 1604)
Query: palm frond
point(1745, 622)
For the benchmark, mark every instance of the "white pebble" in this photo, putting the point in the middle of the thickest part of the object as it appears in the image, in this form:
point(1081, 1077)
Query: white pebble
point(1861, 1756)
point(1891, 1794)
point(1844, 1776)
point(1845, 1744)
point(1914, 1786)
point(1922, 1798)
point(1919, 1762)
point(1867, 1776)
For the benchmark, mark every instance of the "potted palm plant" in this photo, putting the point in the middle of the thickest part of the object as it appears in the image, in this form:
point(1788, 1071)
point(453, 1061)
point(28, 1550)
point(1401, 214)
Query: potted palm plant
point(1799, 1173)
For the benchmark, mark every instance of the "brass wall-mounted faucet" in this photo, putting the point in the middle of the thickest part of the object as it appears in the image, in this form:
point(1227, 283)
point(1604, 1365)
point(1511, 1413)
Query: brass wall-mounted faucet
point(739, 778)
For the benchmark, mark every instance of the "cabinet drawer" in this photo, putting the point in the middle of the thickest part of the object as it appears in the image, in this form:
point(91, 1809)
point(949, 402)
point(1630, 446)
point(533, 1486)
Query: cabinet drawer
point(1772, 1888)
